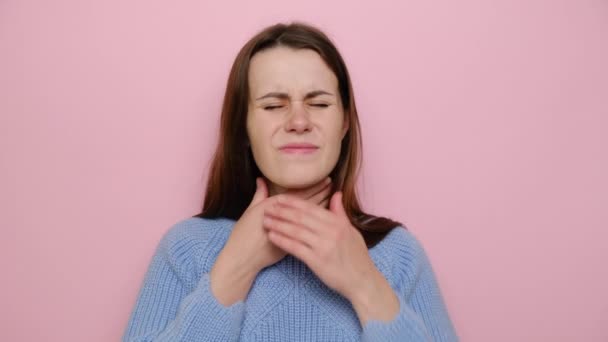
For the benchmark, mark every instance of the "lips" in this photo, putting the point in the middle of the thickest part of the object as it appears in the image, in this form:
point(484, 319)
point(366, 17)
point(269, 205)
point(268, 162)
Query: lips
point(298, 146)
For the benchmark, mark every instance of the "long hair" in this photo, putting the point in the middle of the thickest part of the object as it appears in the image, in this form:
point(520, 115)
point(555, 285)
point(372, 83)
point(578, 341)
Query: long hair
point(231, 182)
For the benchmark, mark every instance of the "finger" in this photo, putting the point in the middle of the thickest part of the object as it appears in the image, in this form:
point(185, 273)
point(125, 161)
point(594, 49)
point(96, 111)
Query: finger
point(291, 230)
point(261, 191)
point(294, 247)
point(336, 205)
point(294, 216)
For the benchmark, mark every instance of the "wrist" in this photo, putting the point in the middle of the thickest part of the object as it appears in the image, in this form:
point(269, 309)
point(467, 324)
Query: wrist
point(230, 279)
point(229, 267)
point(375, 299)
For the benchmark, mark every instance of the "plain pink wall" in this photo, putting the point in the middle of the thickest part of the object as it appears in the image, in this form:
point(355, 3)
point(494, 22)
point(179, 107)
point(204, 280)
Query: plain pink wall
point(484, 126)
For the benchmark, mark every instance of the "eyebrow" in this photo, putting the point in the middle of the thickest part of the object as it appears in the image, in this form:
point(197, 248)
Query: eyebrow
point(286, 96)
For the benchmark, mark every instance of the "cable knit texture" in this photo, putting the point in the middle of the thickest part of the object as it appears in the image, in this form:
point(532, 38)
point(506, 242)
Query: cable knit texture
point(287, 301)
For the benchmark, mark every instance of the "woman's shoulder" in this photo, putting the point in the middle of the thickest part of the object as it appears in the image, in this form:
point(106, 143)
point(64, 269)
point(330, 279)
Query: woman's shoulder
point(196, 231)
point(403, 250)
point(400, 240)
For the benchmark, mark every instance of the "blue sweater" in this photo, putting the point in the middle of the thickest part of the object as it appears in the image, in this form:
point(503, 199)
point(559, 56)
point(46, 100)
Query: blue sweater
point(287, 302)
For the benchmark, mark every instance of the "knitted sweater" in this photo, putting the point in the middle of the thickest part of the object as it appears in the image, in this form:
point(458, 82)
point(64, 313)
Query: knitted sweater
point(286, 302)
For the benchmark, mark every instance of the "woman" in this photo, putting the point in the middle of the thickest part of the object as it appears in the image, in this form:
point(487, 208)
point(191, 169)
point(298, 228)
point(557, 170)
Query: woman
point(282, 250)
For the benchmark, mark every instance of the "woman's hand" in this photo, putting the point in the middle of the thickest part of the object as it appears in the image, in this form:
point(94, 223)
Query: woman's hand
point(323, 239)
point(248, 243)
point(248, 249)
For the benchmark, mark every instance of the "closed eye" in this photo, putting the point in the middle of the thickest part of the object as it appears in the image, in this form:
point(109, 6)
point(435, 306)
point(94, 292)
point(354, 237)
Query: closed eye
point(320, 105)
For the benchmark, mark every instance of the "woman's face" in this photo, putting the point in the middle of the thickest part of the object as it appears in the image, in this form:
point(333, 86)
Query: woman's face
point(294, 98)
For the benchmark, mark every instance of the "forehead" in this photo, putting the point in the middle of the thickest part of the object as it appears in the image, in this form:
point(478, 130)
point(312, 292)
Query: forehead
point(289, 70)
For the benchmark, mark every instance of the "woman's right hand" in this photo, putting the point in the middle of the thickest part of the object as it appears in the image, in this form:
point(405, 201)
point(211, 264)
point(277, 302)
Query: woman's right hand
point(248, 249)
point(248, 237)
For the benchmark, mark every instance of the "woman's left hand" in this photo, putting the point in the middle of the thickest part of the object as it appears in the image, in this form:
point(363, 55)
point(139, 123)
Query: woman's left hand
point(325, 240)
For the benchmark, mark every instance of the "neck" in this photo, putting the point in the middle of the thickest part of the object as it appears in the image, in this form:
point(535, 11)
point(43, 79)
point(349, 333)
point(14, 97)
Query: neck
point(302, 193)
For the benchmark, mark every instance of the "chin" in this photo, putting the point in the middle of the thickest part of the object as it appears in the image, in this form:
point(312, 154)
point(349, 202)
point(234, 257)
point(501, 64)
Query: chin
point(297, 181)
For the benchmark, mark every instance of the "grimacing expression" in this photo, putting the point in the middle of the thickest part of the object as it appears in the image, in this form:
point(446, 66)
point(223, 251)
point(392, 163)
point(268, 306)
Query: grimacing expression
point(294, 98)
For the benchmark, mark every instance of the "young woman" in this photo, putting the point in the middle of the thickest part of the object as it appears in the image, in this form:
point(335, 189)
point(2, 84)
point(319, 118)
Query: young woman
point(282, 250)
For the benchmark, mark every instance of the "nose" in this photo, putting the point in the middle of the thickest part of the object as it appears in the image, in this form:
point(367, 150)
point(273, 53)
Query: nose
point(298, 120)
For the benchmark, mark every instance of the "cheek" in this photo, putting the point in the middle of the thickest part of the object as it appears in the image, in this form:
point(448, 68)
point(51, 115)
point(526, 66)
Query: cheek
point(334, 128)
point(260, 137)
point(255, 129)
point(332, 136)
point(335, 137)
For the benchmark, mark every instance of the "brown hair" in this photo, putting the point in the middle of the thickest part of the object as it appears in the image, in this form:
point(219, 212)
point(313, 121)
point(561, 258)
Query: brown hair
point(231, 182)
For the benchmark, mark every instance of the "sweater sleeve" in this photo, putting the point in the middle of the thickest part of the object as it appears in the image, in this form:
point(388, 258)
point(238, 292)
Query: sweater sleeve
point(422, 315)
point(172, 307)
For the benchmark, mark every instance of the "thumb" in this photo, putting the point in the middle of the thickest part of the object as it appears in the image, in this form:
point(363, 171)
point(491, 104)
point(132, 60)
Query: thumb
point(261, 191)
point(336, 205)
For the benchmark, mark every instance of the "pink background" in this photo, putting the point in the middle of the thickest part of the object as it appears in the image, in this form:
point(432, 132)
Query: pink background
point(484, 128)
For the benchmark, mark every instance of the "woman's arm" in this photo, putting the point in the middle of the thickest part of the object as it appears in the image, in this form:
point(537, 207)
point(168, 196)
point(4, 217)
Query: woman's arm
point(173, 307)
point(422, 314)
